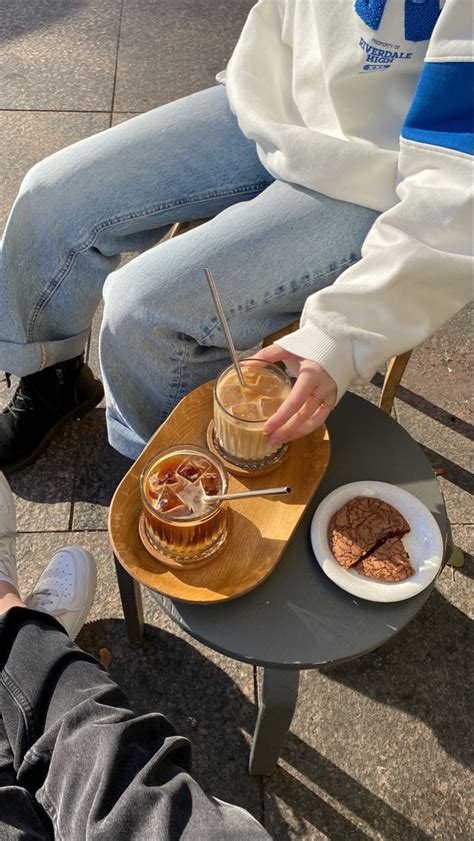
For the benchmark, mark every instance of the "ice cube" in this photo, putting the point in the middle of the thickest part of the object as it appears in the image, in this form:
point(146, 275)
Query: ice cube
point(229, 394)
point(193, 497)
point(192, 468)
point(269, 405)
point(211, 483)
point(154, 487)
point(246, 411)
point(168, 501)
point(251, 375)
point(163, 476)
point(268, 386)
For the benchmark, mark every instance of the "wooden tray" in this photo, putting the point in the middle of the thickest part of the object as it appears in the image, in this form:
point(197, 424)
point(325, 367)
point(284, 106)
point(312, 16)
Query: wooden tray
point(261, 527)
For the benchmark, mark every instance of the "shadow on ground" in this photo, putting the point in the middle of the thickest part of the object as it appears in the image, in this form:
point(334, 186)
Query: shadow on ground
point(20, 18)
point(91, 468)
point(424, 673)
point(169, 675)
point(449, 469)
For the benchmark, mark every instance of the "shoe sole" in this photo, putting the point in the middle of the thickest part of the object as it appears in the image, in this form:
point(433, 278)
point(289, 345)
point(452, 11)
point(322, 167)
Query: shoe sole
point(91, 568)
point(8, 521)
point(74, 414)
point(6, 493)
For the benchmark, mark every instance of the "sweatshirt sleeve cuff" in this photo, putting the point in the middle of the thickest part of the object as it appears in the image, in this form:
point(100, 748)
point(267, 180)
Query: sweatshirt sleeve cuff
point(334, 355)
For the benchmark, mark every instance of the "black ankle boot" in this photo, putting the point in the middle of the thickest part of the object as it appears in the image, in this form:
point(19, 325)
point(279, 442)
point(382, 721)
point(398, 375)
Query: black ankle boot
point(40, 406)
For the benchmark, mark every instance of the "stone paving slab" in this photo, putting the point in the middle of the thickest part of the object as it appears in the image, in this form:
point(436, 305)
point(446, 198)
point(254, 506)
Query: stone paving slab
point(44, 490)
point(441, 371)
point(463, 537)
point(99, 470)
point(448, 451)
point(122, 116)
point(174, 48)
point(58, 55)
point(435, 405)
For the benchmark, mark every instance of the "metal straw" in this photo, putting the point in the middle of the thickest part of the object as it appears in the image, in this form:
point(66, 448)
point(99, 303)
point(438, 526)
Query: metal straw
point(225, 326)
point(245, 494)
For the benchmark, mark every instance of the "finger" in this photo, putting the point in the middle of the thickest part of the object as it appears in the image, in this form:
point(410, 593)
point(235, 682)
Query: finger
point(300, 392)
point(272, 353)
point(308, 409)
point(312, 423)
point(321, 399)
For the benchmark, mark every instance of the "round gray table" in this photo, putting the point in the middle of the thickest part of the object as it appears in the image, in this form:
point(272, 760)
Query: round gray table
point(298, 619)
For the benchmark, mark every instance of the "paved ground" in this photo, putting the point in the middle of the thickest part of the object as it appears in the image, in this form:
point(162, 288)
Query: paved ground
point(379, 749)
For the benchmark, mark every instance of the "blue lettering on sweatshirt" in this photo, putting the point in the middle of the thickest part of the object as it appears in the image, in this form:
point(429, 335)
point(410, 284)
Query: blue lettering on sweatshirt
point(371, 11)
point(382, 58)
point(420, 16)
point(420, 19)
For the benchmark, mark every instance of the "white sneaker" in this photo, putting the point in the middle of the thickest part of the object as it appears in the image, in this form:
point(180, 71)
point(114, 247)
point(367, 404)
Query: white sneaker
point(7, 534)
point(66, 588)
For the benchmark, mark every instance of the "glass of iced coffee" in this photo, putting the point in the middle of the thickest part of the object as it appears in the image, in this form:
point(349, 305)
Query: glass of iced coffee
point(181, 520)
point(240, 413)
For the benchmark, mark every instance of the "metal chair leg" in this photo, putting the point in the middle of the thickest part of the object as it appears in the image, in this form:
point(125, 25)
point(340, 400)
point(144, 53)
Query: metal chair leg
point(132, 605)
point(275, 712)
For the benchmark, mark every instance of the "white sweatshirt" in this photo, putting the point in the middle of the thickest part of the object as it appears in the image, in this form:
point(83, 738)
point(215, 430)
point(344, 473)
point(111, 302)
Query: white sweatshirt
point(370, 102)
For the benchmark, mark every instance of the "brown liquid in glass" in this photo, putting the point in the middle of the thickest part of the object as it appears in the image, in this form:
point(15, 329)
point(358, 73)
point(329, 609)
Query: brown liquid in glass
point(185, 524)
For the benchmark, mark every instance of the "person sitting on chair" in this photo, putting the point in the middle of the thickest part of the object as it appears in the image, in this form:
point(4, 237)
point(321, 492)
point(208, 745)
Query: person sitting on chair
point(335, 163)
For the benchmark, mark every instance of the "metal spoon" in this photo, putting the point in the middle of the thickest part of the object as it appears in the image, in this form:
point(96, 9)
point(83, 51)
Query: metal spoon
point(245, 494)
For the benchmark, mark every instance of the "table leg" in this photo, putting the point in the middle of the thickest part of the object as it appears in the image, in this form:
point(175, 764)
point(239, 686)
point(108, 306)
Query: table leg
point(275, 711)
point(131, 603)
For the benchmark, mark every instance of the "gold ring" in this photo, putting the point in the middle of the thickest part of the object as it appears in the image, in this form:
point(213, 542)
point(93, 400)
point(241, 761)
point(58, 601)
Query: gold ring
point(322, 404)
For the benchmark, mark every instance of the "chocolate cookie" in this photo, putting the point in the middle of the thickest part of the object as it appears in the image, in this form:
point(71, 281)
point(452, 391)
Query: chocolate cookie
point(389, 562)
point(362, 524)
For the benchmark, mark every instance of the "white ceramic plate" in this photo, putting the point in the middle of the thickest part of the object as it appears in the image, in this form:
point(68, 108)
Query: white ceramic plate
point(424, 543)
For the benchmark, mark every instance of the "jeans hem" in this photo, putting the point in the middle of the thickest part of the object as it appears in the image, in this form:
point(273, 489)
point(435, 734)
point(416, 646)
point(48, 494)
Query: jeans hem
point(122, 438)
point(30, 357)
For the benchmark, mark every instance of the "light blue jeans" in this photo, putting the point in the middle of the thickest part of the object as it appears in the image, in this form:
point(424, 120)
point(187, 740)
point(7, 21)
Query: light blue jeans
point(269, 244)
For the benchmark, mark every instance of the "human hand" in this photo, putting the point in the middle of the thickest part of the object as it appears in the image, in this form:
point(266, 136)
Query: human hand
point(309, 402)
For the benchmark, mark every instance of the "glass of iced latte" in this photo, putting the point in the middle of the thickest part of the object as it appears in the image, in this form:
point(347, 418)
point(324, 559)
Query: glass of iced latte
point(181, 520)
point(240, 413)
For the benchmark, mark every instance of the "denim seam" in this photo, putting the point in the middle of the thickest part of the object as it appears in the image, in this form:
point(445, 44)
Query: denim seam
point(172, 401)
point(22, 703)
point(204, 337)
point(56, 281)
point(52, 812)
